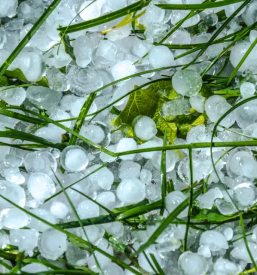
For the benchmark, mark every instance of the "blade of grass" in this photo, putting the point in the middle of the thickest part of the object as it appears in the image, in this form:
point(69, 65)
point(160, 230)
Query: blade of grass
point(173, 215)
point(242, 61)
point(201, 6)
point(28, 36)
point(105, 18)
point(81, 118)
point(246, 243)
point(163, 173)
point(157, 264)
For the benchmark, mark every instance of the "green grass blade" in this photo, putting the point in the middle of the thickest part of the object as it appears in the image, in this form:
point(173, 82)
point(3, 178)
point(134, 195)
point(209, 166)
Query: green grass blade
point(28, 36)
point(190, 158)
point(45, 263)
point(15, 134)
point(242, 61)
point(173, 215)
point(81, 118)
point(246, 243)
point(105, 18)
point(202, 6)
point(163, 173)
point(157, 264)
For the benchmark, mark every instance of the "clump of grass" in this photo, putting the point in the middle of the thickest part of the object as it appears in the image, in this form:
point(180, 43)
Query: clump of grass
point(131, 215)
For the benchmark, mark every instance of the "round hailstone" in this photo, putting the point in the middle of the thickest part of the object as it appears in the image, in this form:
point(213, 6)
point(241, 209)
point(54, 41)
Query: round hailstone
point(161, 56)
point(247, 89)
point(245, 194)
point(187, 82)
point(131, 191)
point(88, 209)
point(14, 96)
point(214, 240)
point(89, 10)
point(173, 200)
point(52, 244)
point(144, 127)
point(123, 69)
point(190, 263)
point(93, 132)
point(14, 218)
point(59, 209)
point(40, 186)
point(74, 158)
point(40, 161)
point(13, 192)
point(126, 144)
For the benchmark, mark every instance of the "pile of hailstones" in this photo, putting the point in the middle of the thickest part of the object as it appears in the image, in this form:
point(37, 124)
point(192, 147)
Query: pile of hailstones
point(29, 178)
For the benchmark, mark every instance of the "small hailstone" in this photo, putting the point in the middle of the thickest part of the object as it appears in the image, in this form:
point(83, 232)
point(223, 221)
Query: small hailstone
point(13, 192)
point(14, 96)
point(126, 144)
point(129, 170)
point(112, 269)
point(116, 229)
point(106, 52)
point(43, 214)
point(76, 256)
point(214, 240)
point(25, 239)
point(77, 104)
point(228, 233)
point(173, 200)
point(40, 161)
point(245, 194)
point(94, 233)
point(131, 191)
point(170, 160)
point(40, 186)
point(155, 142)
point(211, 19)
point(144, 262)
point(123, 69)
point(197, 103)
point(59, 114)
point(13, 160)
point(247, 89)
point(59, 209)
point(14, 218)
point(145, 176)
point(93, 132)
point(144, 127)
point(52, 244)
point(102, 178)
point(35, 267)
point(89, 10)
point(215, 107)
point(4, 239)
point(74, 158)
point(83, 51)
point(187, 82)
point(106, 199)
point(13, 175)
point(240, 251)
point(190, 263)
point(102, 260)
point(161, 56)
point(237, 53)
point(87, 209)
point(204, 251)
point(226, 267)
point(208, 198)
point(107, 158)
point(253, 35)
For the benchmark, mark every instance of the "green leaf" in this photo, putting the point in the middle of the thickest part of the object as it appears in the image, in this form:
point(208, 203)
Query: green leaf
point(81, 118)
point(215, 217)
point(115, 111)
point(163, 125)
point(197, 6)
point(67, 46)
point(4, 81)
point(142, 102)
point(105, 18)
